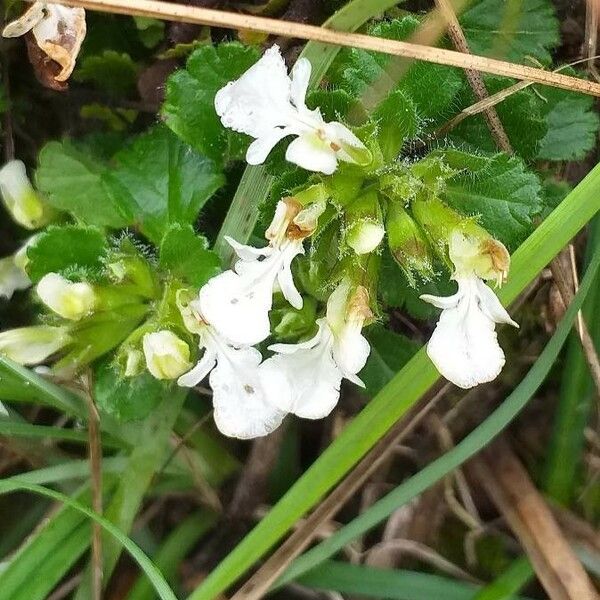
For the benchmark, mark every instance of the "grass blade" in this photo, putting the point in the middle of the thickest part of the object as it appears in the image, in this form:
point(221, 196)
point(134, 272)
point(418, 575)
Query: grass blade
point(158, 582)
point(518, 574)
point(387, 583)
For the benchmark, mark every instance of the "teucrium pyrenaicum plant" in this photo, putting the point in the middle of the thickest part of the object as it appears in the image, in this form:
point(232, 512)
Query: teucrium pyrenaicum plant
point(357, 221)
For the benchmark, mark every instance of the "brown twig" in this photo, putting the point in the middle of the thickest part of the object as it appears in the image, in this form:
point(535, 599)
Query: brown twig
point(474, 77)
point(508, 485)
point(257, 586)
point(95, 454)
point(230, 20)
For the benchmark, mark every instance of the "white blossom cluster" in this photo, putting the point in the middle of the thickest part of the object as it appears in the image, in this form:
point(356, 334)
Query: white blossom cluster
point(230, 313)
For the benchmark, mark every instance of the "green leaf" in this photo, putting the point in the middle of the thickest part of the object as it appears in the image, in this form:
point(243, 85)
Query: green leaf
point(512, 30)
point(185, 254)
point(162, 181)
point(70, 247)
point(554, 124)
point(572, 125)
point(150, 31)
point(398, 121)
point(73, 182)
point(519, 114)
point(504, 195)
point(112, 72)
point(189, 105)
point(354, 70)
point(144, 462)
point(396, 398)
point(390, 351)
point(127, 398)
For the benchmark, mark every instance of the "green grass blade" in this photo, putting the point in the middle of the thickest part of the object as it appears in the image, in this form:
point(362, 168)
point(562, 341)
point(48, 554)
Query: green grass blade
point(518, 574)
point(11, 428)
point(158, 582)
point(173, 550)
point(64, 536)
point(463, 451)
point(144, 462)
point(20, 383)
point(254, 186)
point(397, 397)
point(575, 401)
point(386, 583)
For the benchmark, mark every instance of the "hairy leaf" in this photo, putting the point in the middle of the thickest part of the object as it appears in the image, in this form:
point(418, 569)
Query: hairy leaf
point(189, 106)
point(72, 182)
point(160, 180)
point(65, 248)
point(504, 196)
point(512, 30)
point(186, 254)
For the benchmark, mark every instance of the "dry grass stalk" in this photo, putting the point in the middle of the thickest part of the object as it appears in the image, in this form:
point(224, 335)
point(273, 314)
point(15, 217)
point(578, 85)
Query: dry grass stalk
point(474, 77)
point(509, 486)
point(95, 456)
point(218, 18)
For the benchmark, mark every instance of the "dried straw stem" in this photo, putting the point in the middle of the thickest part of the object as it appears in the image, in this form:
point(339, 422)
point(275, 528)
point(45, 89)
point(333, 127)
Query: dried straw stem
point(230, 20)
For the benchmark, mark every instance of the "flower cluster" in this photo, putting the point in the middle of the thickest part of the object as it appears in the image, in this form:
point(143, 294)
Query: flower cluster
point(153, 320)
point(231, 314)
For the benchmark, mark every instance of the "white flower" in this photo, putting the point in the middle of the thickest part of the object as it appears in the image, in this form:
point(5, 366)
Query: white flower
point(241, 408)
point(237, 302)
point(70, 300)
point(21, 200)
point(464, 346)
point(33, 345)
point(314, 369)
point(58, 30)
point(167, 356)
point(268, 105)
point(12, 277)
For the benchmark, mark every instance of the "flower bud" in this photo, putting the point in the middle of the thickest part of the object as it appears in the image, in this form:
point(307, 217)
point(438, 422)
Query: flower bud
point(21, 200)
point(167, 356)
point(134, 362)
point(70, 300)
point(477, 252)
point(33, 345)
point(136, 271)
point(408, 244)
point(364, 221)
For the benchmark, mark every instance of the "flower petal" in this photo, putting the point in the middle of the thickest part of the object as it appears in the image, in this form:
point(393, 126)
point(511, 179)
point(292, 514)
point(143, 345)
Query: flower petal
point(311, 153)
point(300, 80)
point(203, 367)
point(259, 149)
point(247, 252)
point(60, 35)
point(491, 306)
point(313, 376)
point(238, 306)
point(26, 22)
point(241, 408)
point(443, 302)
point(464, 346)
point(285, 278)
point(259, 100)
point(351, 351)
